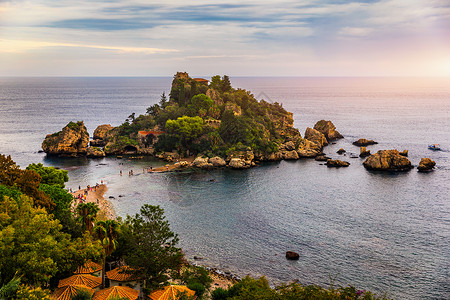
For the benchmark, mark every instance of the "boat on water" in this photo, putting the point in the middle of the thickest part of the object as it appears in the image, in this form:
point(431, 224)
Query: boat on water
point(434, 147)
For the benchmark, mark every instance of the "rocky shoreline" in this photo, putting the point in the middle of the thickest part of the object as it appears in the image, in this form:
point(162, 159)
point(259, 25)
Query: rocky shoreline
point(73, 140)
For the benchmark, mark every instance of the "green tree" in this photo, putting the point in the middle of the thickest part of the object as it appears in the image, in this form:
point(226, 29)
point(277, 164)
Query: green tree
point(82, 294)
point(185, 128)
point(87, 212)
point(50, 175)
point(8, 290)
point(152, 250)
point(32, 293)
point(33, 245)
point(200, 104)
point(107, 232)
point(163, 101)
point(225, 85)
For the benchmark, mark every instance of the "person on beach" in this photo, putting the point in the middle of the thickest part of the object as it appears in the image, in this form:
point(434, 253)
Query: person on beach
point(120, 172)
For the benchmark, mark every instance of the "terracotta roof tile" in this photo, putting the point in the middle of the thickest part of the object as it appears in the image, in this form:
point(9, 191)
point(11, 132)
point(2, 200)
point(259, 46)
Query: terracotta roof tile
point(88, 268)
point(67, 292)
point(170, 292)
point(116, 291)
point(81, 279)
point(121, 274)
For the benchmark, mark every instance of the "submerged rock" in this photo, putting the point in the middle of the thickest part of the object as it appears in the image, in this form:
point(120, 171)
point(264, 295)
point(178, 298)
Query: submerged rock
point(337, 163)
point(426, 165)
point(364, 142)
point(328, 129)
point(71, 141)
point(322, 158)
point(387, 160)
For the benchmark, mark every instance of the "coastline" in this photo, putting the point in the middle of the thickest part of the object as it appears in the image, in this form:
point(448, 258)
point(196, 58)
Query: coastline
point(96, 196)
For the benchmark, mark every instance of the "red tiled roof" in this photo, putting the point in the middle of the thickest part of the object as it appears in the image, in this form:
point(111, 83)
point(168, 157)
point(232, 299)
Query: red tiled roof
point(170, 292)
point(201, 80)
point(121, 274)
point(151, 132)
point(88, 268)
point(81, 279)
point(67, 292)
point(116, 291)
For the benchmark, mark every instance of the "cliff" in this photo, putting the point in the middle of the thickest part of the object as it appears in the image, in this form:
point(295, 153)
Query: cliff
point(72, 140)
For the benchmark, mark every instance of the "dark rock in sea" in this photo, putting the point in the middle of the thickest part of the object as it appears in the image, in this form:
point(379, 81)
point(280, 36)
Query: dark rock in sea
point(291, 255)
point(111, 197)
point(364, 142)
point(41, 151)
point(328, 129)
point(404, 153)
point(120, 196)
point(72, 140)
point(387, 160)
point(337, 163)
point(341, 151)
point(198, 257)
point(364, 152)
point(322, 158)
point(426, 165)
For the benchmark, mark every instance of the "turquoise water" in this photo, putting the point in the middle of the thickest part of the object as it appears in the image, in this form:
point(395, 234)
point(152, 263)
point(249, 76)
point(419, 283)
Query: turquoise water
point(383, 232)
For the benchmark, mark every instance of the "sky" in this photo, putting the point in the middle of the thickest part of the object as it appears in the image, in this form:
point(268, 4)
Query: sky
point(238, 38)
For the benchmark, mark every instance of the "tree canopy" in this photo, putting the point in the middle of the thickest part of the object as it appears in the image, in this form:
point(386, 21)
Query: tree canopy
point(50, 175)
point(151, 246)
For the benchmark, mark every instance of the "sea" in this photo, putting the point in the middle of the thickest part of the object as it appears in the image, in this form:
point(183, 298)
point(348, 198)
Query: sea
point(384, 232)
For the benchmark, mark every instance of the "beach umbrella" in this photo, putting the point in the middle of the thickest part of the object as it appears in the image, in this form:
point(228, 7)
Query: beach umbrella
point(171, 292)
point(81, 279)
point(116, 292)
point(88, 268)
point(68, 291)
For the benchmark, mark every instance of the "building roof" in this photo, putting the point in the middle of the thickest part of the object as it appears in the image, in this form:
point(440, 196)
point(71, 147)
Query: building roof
point(171, 292)
point(201, 80)
point(67, 292)
point(116, 291)
point(88, 268)
point(81, 279)
point(121, 274)
point(151, 132)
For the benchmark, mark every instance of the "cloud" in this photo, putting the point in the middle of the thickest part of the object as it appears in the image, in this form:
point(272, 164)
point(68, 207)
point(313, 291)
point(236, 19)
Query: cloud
point(355, 31)
point(13, 46)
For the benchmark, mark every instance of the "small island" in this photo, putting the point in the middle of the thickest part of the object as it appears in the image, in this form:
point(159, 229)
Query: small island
point(210, 121)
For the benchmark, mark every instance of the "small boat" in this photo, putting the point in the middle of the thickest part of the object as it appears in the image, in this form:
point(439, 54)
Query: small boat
point(434, 147)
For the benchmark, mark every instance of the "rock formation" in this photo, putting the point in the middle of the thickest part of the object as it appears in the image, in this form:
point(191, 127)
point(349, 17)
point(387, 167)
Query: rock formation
point(95, 152)
point(316, 136)
point(99, 135)
point(240, 159)
point(337, 163)
point(291, 255)
point(217, 162)
point(341, 151)
point(387, 160)
point(202, 163)
point(308, 149)
point(71, 141)
point(364, 142)
point(404, 153)
point(328, 129)
point(426, 165)
point(364, 152)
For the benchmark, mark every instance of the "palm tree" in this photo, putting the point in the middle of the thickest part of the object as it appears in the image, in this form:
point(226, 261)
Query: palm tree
point(107, 232)
point(87, 212)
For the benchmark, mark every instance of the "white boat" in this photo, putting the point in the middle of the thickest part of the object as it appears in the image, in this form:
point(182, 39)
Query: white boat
point(434, 147)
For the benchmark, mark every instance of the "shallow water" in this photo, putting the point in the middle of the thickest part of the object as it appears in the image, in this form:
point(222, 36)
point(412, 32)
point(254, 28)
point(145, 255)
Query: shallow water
point(382, 232)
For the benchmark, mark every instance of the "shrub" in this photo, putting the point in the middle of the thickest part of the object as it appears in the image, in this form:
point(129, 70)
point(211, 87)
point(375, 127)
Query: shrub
point(219, 294)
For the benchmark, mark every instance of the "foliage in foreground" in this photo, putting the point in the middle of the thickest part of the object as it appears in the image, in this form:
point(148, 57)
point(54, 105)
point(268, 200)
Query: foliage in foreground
point(259, 289)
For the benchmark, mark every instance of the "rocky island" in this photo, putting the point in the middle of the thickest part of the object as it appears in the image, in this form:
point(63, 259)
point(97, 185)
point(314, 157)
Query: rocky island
point(212, 121)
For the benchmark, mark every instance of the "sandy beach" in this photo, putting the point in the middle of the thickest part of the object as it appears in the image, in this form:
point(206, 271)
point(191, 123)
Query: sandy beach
point(95, 195)
point(172, 166)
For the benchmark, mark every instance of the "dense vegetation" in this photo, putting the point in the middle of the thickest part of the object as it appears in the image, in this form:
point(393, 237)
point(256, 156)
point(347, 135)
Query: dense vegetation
point(44, 238)
point(209, 118)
